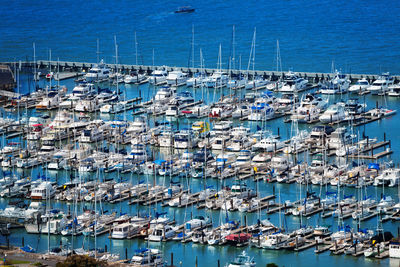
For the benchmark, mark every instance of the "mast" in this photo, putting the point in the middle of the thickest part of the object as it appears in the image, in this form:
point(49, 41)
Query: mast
point(136, 45)
point(50, 72)
point(192, 46)
point(116, 60)
point(233, 47)
point(278, 57)
point(34, 65)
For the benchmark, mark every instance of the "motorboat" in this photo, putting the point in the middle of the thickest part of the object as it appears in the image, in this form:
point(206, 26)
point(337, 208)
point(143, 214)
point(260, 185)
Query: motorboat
point(274, 241)
point(98, 72)
point(185, 139)
point(161, 232)
point(124, 230)
point(148, 257)
point(185, 9)
point(241, 111)
point(134, 77)
point(44, 191)
point(381, 85)
point(334, 113)
point(50, 101)
point(163, 95)
point(394, 248)
point(389, 177)
point(293, 84)
point(340, 138)
point(176, 78)
point(243, 159)
point(83, 89)
point(360, 86)
point(197, 80)
point(268, 144)
point(242, 260)
point(256, 83)
point(260, 112)
point(338, 85)
point(218, 79)
point(158, 77)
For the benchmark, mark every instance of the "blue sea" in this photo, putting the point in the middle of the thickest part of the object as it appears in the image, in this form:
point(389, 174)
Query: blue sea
point(357, 36)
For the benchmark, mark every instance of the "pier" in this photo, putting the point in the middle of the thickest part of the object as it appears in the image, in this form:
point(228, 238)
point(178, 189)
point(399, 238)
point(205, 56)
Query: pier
point(73, 69)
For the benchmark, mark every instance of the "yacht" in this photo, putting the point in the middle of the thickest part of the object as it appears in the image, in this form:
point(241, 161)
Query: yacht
point(98, 72)
point(34, 209)
point(83, 89)
point(53, 225)
point(124, 230)
point(218, 79)
point(197, 80)
point(185, 139)
point(220, 142)
point(260, 159)
point(163, 95)
point(176, 78)
point(340, 138)
point(268, 144)
point(139, 125)
point(256, 83)
point(166, 138)
point(381, 85)
point(225, 159)
point(240, 190)
point(334, 113)
point(138, 153)
point(147, 258)
point(70, 102)
point(158, 77)
point(161, 232)
point(50, 101)
point(134, 77)
point(197, 111)
point(239, 142)
point(293, 84)
point(243, 260)
point(241, 111)
point(389, 177)
point(196, 222)
point(92, 134)
point(310, 109)
point(360, 86)
point(394, 248)
point(261, 111)
point(44, 191)
point(243, 159)
point(274, 241)
point(338, 85)
point(280, 163)
point(221, 111)
point(394, 90)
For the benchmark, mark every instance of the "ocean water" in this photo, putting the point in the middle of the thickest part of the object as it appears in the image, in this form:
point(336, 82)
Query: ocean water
point(359, 37)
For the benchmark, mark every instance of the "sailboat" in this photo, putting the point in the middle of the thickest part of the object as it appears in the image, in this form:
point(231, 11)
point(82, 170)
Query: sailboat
point(256, 82)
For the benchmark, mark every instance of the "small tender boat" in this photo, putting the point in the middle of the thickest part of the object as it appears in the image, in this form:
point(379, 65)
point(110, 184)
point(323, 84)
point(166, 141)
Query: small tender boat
point(243, 260)
point(185, 9)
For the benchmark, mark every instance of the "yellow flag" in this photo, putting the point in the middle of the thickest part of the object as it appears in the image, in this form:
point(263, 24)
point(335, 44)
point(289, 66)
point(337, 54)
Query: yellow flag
point(255, 168)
